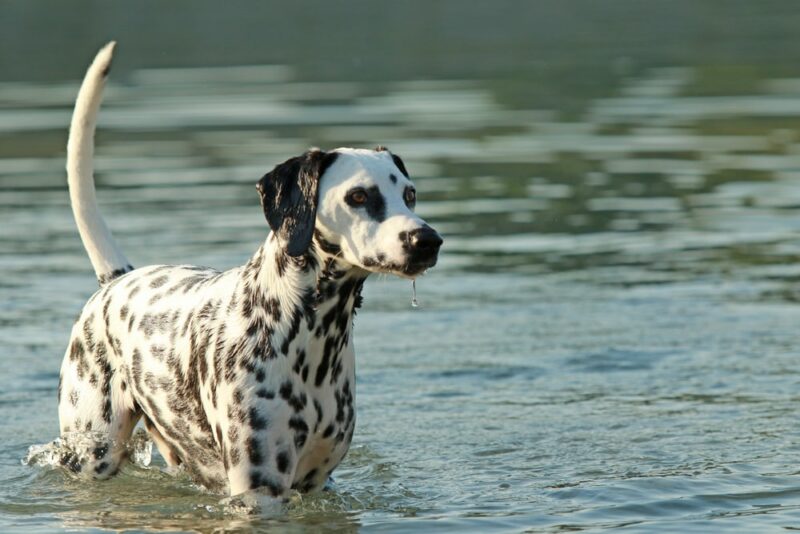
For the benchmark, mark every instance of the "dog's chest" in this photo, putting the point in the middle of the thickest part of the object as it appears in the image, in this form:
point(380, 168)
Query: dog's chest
point(304, 389)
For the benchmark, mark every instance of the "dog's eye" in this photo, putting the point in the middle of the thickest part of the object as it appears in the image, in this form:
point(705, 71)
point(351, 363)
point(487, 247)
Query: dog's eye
point(357, 197)
point(410, 196)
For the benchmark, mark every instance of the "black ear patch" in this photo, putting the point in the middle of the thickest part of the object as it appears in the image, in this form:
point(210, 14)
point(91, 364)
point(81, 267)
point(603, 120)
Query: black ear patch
point(400, 164)
point(397, 161)
point(289, 198)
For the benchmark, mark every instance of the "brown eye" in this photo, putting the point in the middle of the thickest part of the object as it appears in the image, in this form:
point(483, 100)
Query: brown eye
point(357, 197)
point(410, 196)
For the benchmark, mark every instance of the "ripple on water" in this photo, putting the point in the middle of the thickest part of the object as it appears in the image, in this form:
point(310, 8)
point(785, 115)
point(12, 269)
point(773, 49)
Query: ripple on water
point(613, 360)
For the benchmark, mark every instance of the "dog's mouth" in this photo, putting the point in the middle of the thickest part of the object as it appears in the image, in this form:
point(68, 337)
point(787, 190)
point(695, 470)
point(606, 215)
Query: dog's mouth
point(412, 270)
point(421, 252)
point(409, 270)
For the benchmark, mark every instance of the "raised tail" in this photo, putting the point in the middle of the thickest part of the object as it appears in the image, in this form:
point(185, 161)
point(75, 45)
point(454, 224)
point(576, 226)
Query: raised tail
point(106, 257)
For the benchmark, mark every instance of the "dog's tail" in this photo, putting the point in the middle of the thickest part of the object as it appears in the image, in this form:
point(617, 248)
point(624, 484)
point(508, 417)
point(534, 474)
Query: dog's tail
point(106, 257)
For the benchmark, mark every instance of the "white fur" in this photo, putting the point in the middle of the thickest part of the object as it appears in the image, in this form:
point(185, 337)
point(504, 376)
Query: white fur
point(105, 255)
point(359, 235)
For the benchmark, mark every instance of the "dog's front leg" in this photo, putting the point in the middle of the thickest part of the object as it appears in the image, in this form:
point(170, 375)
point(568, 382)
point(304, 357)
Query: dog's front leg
point(260, 454)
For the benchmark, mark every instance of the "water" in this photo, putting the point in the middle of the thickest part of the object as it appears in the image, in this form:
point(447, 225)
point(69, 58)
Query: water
point(610, 339)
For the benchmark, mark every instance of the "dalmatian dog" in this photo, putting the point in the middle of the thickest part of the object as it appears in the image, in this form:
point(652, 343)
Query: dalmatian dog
point(246, 377)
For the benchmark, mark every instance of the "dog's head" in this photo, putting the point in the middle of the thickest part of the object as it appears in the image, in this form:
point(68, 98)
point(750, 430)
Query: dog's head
point(359, 203)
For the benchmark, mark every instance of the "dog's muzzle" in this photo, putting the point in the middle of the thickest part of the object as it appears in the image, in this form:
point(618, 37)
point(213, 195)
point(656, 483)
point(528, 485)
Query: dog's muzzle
point(423, 246)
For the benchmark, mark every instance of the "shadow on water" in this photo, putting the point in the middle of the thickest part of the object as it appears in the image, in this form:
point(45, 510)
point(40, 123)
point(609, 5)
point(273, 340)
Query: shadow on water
point(610, 337)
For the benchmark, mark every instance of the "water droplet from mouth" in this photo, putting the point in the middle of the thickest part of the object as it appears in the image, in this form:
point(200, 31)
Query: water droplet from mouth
point(414, 303)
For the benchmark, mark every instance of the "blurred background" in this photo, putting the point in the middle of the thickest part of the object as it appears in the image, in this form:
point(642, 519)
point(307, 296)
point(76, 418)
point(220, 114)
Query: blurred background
point(610, 339)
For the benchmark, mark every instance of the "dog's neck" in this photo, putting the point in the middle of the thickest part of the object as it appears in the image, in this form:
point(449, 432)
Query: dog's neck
point(303, 301)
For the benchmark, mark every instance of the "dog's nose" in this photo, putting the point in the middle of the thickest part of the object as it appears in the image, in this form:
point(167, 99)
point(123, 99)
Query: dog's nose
point(425, 239)
point(424, 242)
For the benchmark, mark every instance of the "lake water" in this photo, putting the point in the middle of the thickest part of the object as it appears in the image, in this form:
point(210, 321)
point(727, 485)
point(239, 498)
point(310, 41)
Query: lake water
point(610, 339)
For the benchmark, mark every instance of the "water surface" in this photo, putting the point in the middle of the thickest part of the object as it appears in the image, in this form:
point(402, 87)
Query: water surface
point(610, 339)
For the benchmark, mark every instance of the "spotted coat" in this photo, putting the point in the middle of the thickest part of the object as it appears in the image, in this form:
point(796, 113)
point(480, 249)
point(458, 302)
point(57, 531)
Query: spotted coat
point(246, 378)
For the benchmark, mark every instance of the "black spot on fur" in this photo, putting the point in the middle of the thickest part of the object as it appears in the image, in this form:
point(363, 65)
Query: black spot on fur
point(107, 410)
point(103, 279)
point(106, 318)
point(297, 403)
point(88, 333)
point(325, 245)
point(233, 433)
point(318, 409)
point(300, 428)
point(273, 308)
point(301, 359)
point(328, 318)
point(282, 461)
point(134, 291)
point(298, 424)
point(322, 369)
point(286, 390)
point(254, 451)
point(257, 421)
point(265, 394)
point(158, 282)
point(393, 178)
point(76, 350)
point(281, 261)
point(235, 456)
point(294, 329)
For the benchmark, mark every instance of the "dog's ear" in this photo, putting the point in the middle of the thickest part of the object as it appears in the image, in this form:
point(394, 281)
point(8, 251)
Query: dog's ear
point(289, 198)
point(397, 161)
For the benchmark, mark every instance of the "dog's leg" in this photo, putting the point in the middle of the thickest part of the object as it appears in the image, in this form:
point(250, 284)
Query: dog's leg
point(96, 415)
point(253, 472)
point(257, 458)
point(169, 454)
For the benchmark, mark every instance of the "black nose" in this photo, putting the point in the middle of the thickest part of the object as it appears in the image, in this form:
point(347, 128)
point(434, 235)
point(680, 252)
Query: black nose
point(424, 242)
